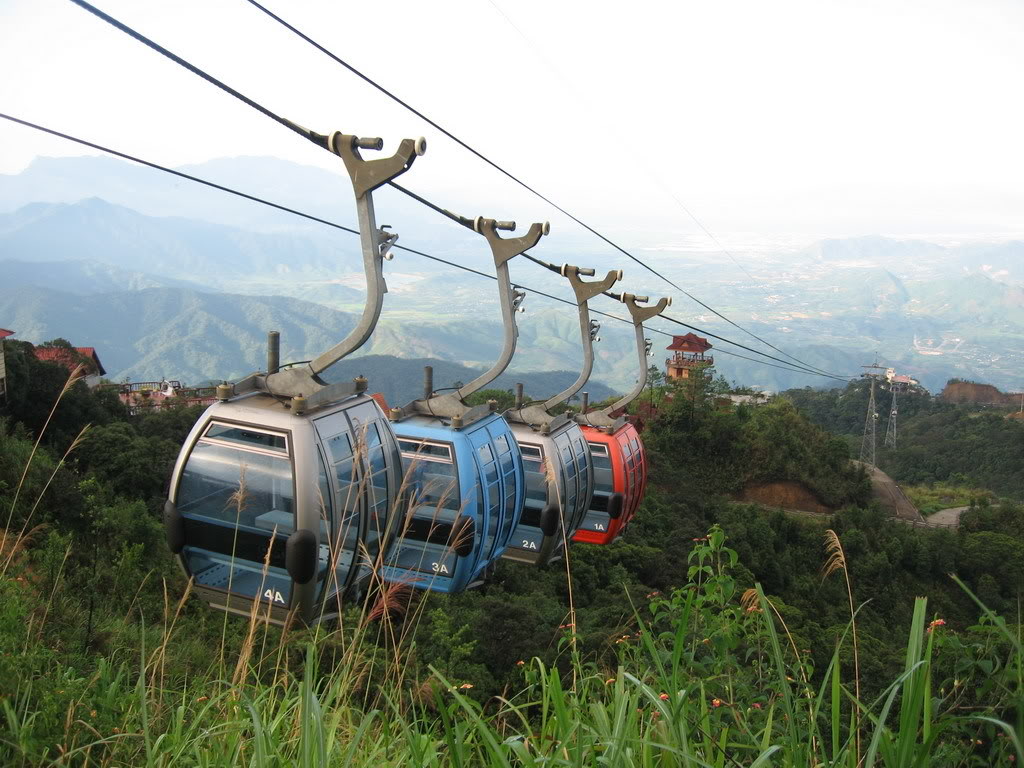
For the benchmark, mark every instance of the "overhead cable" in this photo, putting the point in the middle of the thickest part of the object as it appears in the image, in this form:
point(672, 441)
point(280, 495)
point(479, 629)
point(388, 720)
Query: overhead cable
point(321, 141)
point(256, 199)
point(370, 81)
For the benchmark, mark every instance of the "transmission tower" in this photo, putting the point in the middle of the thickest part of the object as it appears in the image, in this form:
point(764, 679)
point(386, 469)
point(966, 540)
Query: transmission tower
point(869, 442)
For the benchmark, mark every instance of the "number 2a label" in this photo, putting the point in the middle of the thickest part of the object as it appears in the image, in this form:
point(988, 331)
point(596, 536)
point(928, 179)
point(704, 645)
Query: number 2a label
point(527, 544)
point(439, 568)
point(274, 596)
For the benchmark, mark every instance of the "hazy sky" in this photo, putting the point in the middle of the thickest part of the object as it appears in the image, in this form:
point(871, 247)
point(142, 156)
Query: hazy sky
point(775, 117)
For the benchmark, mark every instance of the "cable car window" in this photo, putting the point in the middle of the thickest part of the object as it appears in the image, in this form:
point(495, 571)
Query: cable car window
point(485, 453)
point(421, 449)
point(229, 484)
point(599, 452)
point(532, 452)
point(269, 441)
point(502, 442)
point(431, 473)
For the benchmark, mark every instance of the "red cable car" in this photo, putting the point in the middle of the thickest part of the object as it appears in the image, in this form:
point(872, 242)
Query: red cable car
point(620, 477)
point(620, 463)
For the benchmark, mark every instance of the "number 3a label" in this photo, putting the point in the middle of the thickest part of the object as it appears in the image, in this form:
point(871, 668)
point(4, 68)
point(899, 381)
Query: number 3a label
point(439, 568)
point(274, 596)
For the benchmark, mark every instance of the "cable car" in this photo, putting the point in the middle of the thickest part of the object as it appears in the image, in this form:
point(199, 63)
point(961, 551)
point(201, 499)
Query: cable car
point(620, 464)
point(556, 457)
point(283, 496)
point(464, 471)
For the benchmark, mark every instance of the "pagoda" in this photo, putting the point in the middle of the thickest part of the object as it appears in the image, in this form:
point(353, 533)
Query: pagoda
point(688, 357)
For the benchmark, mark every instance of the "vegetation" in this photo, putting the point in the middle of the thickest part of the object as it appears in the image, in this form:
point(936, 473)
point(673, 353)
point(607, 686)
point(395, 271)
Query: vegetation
point(939, 442)
point(706, 636)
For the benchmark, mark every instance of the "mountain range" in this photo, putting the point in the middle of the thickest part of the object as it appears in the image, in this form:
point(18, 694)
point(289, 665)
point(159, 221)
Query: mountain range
point(171, 279)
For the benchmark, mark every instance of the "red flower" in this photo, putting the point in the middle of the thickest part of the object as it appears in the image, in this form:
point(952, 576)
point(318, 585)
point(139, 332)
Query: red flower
point(663, 697)
point(936, 623)
point(716, 702)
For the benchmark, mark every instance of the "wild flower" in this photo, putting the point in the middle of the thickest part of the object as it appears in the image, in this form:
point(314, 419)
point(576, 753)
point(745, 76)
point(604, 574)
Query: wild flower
point(663, 696)
point(465, 686)
point(202, 698)
point(936, 623)
point(520, 663)
point(609, 681)
point(757, 705)
point(716, 702)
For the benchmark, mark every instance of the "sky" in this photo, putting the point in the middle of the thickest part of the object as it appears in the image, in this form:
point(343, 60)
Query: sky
point(692, 120)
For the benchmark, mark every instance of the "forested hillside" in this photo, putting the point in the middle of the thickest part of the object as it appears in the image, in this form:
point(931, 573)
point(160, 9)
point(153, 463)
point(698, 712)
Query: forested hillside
point(670, 639)
point(938, 441)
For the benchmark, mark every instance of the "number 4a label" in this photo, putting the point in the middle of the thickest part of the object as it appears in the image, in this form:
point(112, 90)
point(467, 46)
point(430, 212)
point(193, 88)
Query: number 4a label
point(274, 596)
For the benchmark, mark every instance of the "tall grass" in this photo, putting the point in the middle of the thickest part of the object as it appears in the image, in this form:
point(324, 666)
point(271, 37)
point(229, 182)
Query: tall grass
point(679, 696)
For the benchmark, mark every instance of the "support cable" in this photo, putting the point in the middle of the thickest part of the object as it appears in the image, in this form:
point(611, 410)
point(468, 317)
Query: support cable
point(370, 81)
point(321, 141)
point(262, 201)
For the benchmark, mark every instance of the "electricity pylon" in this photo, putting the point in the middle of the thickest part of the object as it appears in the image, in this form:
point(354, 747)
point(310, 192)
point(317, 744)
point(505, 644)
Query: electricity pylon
point(869, 441)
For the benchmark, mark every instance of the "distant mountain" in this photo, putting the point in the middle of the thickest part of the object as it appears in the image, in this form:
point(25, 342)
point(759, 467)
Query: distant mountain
point(181, 249)
point(173, 332)
point(400, 380)
point(82, 277)
point(192, 336)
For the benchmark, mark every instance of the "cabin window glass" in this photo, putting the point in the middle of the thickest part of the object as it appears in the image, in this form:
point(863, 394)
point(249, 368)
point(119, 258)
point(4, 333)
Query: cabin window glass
point(533, 452)
point(502, 442)
point(536, 476)
point(431, 475)
point(246, 436)
point(236, 486)
point(601, 458)
point(485, 453)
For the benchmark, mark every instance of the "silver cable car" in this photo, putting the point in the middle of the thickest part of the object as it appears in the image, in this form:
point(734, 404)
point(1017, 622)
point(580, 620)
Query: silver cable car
point(283, 496)
point(557, 460)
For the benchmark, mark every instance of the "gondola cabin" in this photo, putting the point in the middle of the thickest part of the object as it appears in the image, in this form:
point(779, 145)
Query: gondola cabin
point(620, 477)
point(278, 513)
point(559, 484)
point(464, 496)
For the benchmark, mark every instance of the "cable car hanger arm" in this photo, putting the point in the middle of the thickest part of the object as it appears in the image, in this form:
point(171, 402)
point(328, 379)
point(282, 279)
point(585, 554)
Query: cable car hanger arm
point(375, 242)
point(639, 314)
point(588, 329)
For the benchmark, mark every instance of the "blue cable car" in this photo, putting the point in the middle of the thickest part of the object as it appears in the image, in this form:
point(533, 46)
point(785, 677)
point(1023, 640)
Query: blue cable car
point(464, 482)
point(557, 460)
point(283, 497)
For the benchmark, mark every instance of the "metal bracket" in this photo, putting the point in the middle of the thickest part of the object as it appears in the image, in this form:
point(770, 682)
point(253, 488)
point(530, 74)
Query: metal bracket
point(536, 414)
point(639, 315)
point(375, 243)
point(511, 298)
point(584, 292)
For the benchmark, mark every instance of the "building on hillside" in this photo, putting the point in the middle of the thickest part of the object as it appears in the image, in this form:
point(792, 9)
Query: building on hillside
point(4, 333)
point(71, 358)
point(688, 359)
point(142, 396)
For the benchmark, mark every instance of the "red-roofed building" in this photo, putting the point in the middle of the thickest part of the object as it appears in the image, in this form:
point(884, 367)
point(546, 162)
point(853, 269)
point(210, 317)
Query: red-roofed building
point(688, 356)
point(4, 333)
point(71, 358)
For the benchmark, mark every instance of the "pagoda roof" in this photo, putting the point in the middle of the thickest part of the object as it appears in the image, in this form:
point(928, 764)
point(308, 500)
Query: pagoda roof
point(690, 342)
point(4, 333)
